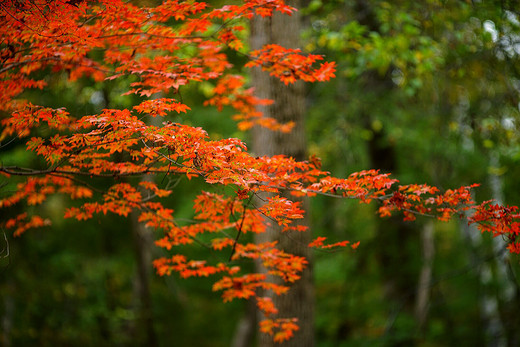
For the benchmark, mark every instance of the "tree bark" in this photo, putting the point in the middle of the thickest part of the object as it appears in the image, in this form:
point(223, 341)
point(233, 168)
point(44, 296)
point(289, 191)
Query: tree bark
point(143, 243)
point(507, 294)
point(289, 105)
point(7, 315)
point(245, 330)
point(489, 306)
point(425, 277)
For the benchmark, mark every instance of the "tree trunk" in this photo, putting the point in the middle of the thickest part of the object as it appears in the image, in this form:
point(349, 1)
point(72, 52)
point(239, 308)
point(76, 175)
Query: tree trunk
point(499, 296)
point(245, 330)
point(143, 243)
point(289, 105)
point(425, 277)
point(7, 315)
point(489, 314)
point(397, 246)
point(143, 246)
point(507, 293)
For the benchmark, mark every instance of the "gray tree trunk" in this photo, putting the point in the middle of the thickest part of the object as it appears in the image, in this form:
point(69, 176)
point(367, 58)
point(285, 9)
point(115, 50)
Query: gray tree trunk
point(143, 243)
point(289, 105)
point(7, 314)
point(144, 238)
point(422, 300)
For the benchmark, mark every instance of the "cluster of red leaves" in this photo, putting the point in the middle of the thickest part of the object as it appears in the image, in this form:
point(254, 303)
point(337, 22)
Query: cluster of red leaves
point(63, 37)
point(229, 91)
point(281, 329)
point(422, 199)
point(35, 191)
point(289, 65)
point(500, 221)
point(319, 242)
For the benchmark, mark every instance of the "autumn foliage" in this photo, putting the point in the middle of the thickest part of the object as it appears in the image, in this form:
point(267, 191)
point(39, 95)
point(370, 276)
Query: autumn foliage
point(163, 49)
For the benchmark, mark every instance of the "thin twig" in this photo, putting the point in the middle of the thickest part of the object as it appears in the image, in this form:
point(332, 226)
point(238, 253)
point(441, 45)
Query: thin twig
point(240, 228)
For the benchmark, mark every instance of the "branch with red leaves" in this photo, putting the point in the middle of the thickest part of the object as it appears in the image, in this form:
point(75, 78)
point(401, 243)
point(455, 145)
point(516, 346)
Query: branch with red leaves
point(141, 42)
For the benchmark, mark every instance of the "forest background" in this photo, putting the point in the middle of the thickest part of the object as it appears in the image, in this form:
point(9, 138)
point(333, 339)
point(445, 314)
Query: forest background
point(426, 90)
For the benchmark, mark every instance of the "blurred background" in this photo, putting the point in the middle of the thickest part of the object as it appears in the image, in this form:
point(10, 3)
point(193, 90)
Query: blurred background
point(427, 90)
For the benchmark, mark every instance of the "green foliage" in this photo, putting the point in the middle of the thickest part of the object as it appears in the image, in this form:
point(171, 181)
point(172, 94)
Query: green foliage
point(428, 91)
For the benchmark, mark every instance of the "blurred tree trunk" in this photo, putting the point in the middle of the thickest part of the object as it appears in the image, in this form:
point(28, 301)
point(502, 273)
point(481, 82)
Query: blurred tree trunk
point(143, 240)
point(289, 105)
point(507, 294)
point(245, 330)
point(8, 313)
point(397, 245)
point(422, 300)
point(500, 294)
point(397, 242)
point(489, 314)
point(143, 243)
